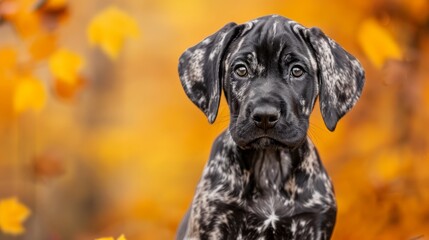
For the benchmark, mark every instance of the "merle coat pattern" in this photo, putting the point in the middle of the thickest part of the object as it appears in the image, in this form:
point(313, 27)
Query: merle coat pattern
point(264, 178)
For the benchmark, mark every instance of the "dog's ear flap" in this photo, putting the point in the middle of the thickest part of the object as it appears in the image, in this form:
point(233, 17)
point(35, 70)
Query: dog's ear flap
point(341, 77)
point(200, 70)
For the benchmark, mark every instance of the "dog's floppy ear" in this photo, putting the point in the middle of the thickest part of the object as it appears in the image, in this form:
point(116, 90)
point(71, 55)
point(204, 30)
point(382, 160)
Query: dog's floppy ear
point(341, 77)
point(200, 70)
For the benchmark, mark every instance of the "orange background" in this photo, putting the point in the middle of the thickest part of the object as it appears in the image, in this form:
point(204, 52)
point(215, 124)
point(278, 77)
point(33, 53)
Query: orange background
point(125, 154)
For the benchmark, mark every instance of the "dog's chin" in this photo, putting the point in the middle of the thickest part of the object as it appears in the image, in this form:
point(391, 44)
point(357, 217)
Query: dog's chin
point(264, 143)
point(261, 143)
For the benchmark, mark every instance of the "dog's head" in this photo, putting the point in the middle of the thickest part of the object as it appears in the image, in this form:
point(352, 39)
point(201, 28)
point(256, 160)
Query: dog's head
point(272, 69)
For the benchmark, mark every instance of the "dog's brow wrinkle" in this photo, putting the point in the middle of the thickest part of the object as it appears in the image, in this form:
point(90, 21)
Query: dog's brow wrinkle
point(238, 47)
point(275, 29)
point(281, 46)
point(253, 61)
point(312, 59)
point(226, 64)
point(247, 27)
point(297, 28)
point(316, 82)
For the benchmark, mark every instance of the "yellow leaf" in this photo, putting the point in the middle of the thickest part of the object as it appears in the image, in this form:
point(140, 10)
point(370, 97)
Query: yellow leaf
point(68, 91)
point(26, 22)
point(110, 28)
point(377, 43)
point(122, 237)
point(43, 45)
point(12, 215)
point(65, 66)
point(29, 94)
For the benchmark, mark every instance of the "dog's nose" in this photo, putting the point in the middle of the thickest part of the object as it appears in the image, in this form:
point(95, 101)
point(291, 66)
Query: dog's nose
point(265, 117)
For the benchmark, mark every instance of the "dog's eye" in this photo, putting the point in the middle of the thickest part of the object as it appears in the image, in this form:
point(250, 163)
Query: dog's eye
point(297, 72)
point(241, 71)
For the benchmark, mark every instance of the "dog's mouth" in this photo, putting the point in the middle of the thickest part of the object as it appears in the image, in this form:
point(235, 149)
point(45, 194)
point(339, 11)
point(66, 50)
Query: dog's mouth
point(250, 137)
point(264, 142)
point(269, 141)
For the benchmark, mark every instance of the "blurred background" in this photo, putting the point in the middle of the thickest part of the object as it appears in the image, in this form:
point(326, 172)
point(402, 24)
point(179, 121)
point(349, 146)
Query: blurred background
point(97, 137)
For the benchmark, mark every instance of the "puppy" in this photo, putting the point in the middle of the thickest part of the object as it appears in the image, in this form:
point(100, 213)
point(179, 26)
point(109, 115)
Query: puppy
point(264, 178)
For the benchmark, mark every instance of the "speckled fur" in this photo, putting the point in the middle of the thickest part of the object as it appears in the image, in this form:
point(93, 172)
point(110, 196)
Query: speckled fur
point(281, 206)
point(276, 188)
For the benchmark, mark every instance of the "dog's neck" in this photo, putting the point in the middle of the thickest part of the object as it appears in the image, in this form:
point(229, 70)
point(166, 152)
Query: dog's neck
point(268, 170)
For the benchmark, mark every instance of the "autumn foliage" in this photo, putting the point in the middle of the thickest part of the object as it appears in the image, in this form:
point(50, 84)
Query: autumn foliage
point(98, 140)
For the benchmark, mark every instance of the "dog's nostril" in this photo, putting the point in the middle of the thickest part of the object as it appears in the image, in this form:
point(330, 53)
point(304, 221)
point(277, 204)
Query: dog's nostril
point(273, 119)
point(257, 118)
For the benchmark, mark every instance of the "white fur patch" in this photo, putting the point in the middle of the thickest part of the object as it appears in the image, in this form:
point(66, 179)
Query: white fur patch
point(196, 66)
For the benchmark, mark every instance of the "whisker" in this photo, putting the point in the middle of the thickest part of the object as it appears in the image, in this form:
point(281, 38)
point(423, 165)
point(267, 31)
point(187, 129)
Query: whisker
point(313, 137)
point(317, 126)
point(314, 132)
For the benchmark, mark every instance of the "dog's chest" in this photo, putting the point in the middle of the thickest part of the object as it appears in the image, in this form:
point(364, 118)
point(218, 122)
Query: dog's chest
point(272, 216)
point(268, 199)
point(262, 194)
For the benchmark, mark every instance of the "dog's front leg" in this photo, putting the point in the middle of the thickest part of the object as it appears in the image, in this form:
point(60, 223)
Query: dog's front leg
point(216, 201)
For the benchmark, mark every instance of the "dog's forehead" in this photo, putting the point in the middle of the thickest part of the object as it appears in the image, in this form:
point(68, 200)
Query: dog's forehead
point(271, 34)
point(271, 25)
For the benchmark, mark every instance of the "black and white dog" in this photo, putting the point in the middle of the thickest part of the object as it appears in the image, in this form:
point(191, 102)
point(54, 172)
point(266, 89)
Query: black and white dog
point(264, 178)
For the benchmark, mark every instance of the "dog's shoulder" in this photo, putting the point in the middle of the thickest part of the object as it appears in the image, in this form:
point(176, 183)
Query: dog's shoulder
point(222, 152)
point(223, 142)
point(222, 167)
